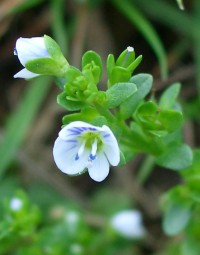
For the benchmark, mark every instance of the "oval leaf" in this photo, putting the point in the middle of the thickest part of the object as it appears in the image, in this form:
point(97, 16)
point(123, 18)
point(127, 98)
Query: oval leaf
point(118, 93)
point(176, 157)
point(176, 219)
point(69, 104)
point(143, 83)
point(55, 51)
point(46, 66)
point(169, 96)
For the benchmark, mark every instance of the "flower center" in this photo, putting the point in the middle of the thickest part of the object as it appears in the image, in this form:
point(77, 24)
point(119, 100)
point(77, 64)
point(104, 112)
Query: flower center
point(90, 141)
point(92, 155)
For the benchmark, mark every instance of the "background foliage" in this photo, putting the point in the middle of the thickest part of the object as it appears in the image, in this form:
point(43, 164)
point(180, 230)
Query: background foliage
point(169, 40)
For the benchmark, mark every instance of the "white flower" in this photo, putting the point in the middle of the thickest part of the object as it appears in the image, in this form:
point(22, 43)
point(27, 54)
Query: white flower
point(72, 217)
point(28, 49)
point(76, 248)
point(81, 145)
point(128, 223)
point(72, 220)
point(15, 204)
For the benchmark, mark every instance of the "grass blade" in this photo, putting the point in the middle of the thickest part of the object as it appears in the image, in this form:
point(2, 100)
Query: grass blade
point(171, 16)
point(20, 121)
point(139, 21)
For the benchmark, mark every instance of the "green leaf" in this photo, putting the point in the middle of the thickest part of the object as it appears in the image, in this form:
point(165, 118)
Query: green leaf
point(142, 142)
point(69, 104)
point(176, 157)
point(169, 96)
point(118, 93)
point(176, 218)
point(158, 133)
point(92, 56)
point(55, 51)
point(144, 84)
point(92, 65)
point(21, 120)
point(147, 109)
point(87, 114)
point(119, 74)
point(110, 63)
point(72, 73)
point(171, 120)
point(147, 116)
point(72, 117)
point(45, 66)
point(125, 58)
point(166, 121)
point(194, 169)
point(99, 121)
point(190, 246)
point(135, 64)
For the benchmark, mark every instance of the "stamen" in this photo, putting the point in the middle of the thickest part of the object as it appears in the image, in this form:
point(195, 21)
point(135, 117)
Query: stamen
point(94, 150)
point(77, 157)
point(80, 151)
point(92, 157)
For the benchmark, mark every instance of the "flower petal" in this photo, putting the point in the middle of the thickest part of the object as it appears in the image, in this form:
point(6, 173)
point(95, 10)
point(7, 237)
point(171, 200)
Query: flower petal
point(111, 147)
point(24, 73)
point(100, 168)
point(31, 48)
point(75, 128)
point(64, 155)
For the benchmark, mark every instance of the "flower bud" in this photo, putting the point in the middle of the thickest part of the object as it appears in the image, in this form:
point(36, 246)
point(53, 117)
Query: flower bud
point(28, 49)
point(40, 55)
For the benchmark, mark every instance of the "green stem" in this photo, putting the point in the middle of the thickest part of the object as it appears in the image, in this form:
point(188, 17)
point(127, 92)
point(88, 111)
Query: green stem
point(106, 113)
point(146, 169)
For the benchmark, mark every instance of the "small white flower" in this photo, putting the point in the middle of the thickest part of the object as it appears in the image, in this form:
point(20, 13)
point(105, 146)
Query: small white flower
point(15, 204)
point(72, 217)
point(128, 223)
point(28, 49)
point(76, 248)
point(81, 145)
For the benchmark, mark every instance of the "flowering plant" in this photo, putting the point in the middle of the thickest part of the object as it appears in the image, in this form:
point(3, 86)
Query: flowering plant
point(119, 127)
point(109, 126)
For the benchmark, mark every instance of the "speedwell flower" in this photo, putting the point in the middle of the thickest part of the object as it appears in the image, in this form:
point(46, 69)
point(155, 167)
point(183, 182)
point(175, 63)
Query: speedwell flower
point(81, 146)
point(28, 49)
point(16, 204)
point(128, 223)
